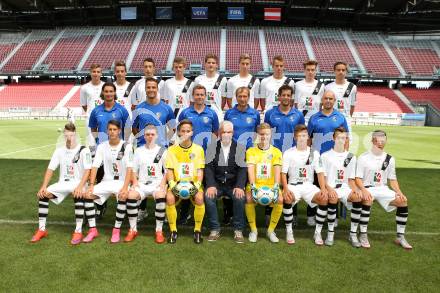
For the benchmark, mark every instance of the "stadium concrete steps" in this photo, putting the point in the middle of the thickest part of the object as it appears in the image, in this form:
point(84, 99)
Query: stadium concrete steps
point(308, 45)
point(404, 99)
point(353, 51)
point(90, 49)
point(173, 49)
point(12, 53)
point(263, 50)
point(392, 56)
point(134, 47)
point(48, 50)
point(68, 96)
point(223, 45)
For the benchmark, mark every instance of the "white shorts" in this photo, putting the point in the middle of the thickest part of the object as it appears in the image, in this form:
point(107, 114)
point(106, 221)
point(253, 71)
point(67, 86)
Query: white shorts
point(384, 196)
point(61, 190)
point(343, 195)
point(304, 191)
point(105, 189)
point(146, 190)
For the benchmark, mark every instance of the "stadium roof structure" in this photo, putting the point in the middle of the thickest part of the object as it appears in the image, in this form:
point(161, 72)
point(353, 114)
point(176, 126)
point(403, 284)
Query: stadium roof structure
point(385, 15)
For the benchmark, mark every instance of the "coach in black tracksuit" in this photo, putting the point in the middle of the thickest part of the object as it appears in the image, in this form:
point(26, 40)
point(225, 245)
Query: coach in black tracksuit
point(225, 176)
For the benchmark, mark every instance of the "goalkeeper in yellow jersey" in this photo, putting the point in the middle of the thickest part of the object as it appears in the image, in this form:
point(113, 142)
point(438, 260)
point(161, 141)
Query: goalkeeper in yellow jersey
point(264, 175)
point(185, 163)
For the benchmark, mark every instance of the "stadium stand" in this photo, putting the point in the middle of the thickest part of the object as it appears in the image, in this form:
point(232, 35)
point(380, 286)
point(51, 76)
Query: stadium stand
point(431, 95)
point(379, 99)
point(25, 58)
point(373, 54)
point(288, 43)
point(69, 50)
point(74, 100)
point(36, 94)
point(155, 43)
point(114, 44)
point(329, 46)
point(196, 42)
point(242, 40)
point(8, 42)
point(417, 57)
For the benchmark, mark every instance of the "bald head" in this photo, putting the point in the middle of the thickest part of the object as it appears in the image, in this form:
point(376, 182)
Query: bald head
point(328, 100)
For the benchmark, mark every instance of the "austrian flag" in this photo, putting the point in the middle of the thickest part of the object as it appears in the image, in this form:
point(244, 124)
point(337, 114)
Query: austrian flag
point(272, 14)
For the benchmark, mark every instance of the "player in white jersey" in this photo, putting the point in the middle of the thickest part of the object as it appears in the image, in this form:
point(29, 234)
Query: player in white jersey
point(375, 169)
point(243, 78)
point(268, 96)
point(117, 158)
point(90, 97)
point(309, 91)
point(138, 94)
point(123, 86)
point(340, 171)
point(70, 115)
point(148, 181)
point(75, 162)
point(299, 165)
point(176, 89)
point(214, 83)
point(345, 92)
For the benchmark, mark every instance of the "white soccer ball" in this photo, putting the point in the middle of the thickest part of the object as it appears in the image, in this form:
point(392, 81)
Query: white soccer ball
point(184, 190)
point(264, 196)
point(59, 130)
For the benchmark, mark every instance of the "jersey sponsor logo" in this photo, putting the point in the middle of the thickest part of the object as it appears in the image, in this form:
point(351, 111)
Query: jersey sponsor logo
point(70, 171)
point(210, 96)
point(377, 178)
point(179, 101)
point(308, 103)
point(340, 105)
point(302, 173)
point(151, 170)
point(263, 171)
point(340, 176)
point(185, 170)
point(115, 169)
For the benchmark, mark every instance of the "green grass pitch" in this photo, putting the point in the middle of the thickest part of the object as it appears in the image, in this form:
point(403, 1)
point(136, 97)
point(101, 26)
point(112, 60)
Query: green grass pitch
point(53, 265)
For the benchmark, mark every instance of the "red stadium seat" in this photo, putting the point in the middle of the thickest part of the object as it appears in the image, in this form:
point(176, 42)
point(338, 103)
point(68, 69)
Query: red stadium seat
point(241, 40)
point(431, 95)
point(379, 99)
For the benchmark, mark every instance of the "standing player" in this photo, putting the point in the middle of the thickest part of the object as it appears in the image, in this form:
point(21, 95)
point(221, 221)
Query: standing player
point(75, 162)
point(340, 168)
point(90, 96)
point(374, 170)
point(270, 85)
point(309, 91)
point(204, 119)
point(299, 165)
point(117, 158)
point(244, 117)
point(345, 92)
point(148, 181)
point(283, 119)
point(123, 86)
point(138, 94)
point(185, 163)
point(175, 89)
point(215, 85)
point(264, 166)
point(243, 79)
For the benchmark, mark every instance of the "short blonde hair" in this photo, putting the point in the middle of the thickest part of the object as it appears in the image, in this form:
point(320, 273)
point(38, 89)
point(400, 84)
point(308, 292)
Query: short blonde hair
point(244, 57)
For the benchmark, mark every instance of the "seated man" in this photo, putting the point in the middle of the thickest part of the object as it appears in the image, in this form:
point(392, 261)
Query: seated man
point(340, 168)
point(299, 165)
point(116, 156)
point(264, 166)
point(226, 176)
point(185, 162)
point(148, 180)
point(373, 170)
point(75, 162)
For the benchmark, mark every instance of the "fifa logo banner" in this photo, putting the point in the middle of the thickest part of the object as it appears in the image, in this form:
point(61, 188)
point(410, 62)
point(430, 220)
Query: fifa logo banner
point(199, 13)
point(235, 13)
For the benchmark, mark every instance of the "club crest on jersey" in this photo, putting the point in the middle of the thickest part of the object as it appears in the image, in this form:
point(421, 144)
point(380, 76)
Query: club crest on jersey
point(158, 114)
point(269, 157)
point(249, 120)
point(205, 120)
point(114, 115)
point(334, 118)
point(292, 118)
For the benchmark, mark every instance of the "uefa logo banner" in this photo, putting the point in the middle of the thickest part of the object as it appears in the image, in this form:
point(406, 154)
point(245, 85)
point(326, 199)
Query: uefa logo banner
point(199, 13)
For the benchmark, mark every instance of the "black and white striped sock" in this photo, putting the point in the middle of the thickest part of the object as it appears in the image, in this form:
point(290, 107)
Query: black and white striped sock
point(160, 213)
point(288, 216)
point(401, 219)
point(355, 217)
point(365, 218)
point(132, 213)
point(121, 209)
point(79, 214)
point(43, 210)
point(321, 214)
point(89, 207)
point(331, 216)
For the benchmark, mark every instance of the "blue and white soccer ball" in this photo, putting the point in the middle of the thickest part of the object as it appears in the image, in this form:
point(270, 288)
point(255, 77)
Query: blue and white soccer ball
point(264, 196)
point(184, 190)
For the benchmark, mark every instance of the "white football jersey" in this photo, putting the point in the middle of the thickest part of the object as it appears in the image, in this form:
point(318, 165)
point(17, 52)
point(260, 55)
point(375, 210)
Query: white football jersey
point(69, 170)
point(294, 165)
point(343, 104)
point(172, 92)
point(369, 169)
point(213, 96)
point(138, 94)
point(269, 90)
point(122, 97)
point(90, 96)
point(305, 99)
point(236, 81)
point(334, 170)
point(144, 166)
point(114, 165)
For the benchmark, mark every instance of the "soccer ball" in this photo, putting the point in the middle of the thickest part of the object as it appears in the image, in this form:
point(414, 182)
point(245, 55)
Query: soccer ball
point(184, 190)
point(264, 196)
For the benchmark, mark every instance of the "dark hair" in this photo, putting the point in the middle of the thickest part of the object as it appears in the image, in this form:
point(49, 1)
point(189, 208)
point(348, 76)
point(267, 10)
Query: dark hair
point(108, 84)
point(299, 128)
point(183, 122)
point(70, 127)
point(340, 63)
point(198, 87)
point(115, 123)
point(339, 129)
point(211, 56)
point(151, 60)
point(310, 62)
point(285, 87)
point(121, 63)
point(150, 79)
